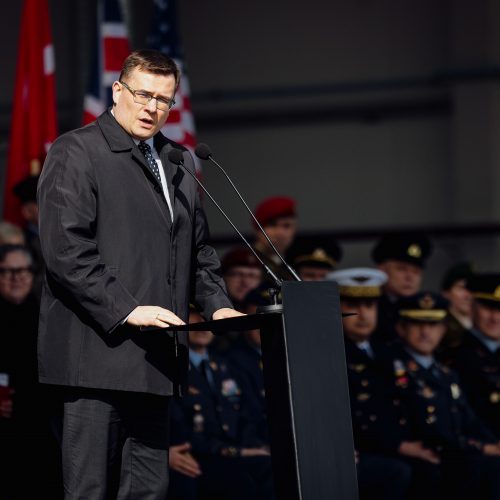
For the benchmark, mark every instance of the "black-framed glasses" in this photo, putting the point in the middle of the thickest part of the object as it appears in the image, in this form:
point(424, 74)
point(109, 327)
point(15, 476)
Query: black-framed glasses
point(15, 272)
point(143, 97)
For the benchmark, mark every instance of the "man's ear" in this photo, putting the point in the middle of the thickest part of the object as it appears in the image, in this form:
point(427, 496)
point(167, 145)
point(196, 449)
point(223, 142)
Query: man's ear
point(117, 90)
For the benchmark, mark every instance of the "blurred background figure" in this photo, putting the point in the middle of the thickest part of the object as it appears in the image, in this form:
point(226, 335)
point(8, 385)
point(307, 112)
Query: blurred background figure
point(242, 272)
point(313, 262)
point(477, 359)
point(10, 234)
point(26, 193)
point(27, 449)
point(402, 258)
point(454, 290)
point(214, 419)
point(466, 453)
point(278, 217)
point(382, 470)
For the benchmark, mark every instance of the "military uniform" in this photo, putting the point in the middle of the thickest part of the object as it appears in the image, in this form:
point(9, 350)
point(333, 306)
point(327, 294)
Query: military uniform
point(247, 360)
point(213, 416)
point(382, 473)
point(439, 414)
point(477, 359)
point(411, 249)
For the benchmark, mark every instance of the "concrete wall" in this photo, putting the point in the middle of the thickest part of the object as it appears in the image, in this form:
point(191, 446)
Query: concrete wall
point(371, 113)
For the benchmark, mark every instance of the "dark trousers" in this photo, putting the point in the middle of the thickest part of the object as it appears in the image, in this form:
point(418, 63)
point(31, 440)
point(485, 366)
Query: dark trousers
point(114, 445)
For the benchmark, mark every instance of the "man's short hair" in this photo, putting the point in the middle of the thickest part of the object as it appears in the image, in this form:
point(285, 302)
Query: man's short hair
point(150, 61)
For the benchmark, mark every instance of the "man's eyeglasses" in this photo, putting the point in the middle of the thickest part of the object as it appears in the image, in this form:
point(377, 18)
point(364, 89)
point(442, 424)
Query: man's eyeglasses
point(142, 97)
point(15, 272)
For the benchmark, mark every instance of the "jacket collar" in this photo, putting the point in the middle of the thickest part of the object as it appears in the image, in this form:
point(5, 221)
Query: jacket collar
point(116, 136)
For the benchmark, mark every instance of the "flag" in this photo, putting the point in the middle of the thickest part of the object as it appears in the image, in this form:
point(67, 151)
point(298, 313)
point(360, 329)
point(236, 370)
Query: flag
point(111, 49)
point(165, 38)
point(34, 122)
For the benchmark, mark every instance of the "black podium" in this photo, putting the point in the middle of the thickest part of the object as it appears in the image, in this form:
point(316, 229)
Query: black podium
point(306, 392)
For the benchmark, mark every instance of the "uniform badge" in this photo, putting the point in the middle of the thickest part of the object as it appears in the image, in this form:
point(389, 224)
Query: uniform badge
point(495, 397)
point(427, 392)
point(198, 422)
point(363, 396)
point(412, 365)
point(399, 368)
point(431, 419)
point(402, 382)
point(455, 391)
point(230, 388)
point(213, 365)
point(193, 391)
point(197, 407)
point(357, 368)
point(414, 251)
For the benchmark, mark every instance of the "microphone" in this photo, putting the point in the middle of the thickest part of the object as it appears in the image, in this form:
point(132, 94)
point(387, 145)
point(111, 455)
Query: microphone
point(203, 152)
point(177, 158)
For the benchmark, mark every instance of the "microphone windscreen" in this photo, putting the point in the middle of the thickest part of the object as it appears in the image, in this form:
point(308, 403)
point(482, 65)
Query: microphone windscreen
point(176, 156)
point(202, 151)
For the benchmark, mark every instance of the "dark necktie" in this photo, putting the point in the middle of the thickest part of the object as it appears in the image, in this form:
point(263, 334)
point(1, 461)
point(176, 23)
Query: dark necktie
point(153, 166)
point(208, 375)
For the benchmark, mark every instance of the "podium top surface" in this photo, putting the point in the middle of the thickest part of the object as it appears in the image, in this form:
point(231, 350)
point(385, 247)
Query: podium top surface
point(220, 326)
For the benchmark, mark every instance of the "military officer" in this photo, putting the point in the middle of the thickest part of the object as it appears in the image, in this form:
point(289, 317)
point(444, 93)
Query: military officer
point(467, 453)
point(402, 258)
point(477, 360)
point(313, 262)
point(278, 216)
point(459, 318)
point(382, 469)
point(213, 418)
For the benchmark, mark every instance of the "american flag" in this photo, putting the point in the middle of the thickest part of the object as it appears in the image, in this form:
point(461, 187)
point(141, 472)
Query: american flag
point(165, 38)
point(111, 49)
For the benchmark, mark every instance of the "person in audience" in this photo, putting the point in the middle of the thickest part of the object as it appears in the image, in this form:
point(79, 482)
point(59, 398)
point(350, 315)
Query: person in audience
point(278, 216)
point(242, 272)
point(459, 318)
point(402, 258)
point(245, 356)
point(10, 234)
point(477, 359)
point(465, 452)
point(313, 262)
point(25, 191)
point(383, 471)
point(213, 418)
point(26, 446)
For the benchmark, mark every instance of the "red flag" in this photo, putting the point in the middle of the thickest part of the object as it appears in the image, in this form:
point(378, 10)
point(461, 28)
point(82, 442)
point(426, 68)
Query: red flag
point(34, 122)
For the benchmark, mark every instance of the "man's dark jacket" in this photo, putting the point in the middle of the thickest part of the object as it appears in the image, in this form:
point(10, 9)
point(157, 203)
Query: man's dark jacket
point(110, 245)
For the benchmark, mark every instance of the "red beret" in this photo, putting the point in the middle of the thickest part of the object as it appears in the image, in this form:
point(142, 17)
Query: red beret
point(239, 256)
point(274, 208)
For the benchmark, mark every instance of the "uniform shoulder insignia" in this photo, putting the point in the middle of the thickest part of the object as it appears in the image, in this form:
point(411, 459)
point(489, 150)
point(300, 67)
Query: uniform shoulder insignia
point(455, 391)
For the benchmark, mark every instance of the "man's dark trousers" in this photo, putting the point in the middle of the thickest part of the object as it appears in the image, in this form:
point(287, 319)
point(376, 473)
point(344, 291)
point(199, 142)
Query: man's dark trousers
point(114, 445)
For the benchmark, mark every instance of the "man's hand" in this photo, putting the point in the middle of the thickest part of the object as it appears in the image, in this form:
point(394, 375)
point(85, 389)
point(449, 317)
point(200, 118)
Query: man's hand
point(254, 452)
point(182, 461)
point(153, 316)
point(416, 449)
point(492, 449)
point(226, 312)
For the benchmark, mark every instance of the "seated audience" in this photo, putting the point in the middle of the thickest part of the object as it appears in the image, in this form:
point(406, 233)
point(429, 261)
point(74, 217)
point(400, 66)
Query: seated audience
point(213, 419)
point(465, 452)
point(477, 359)
point(459, 318)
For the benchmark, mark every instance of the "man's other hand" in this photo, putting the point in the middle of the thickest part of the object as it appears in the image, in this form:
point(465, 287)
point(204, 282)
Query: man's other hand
point(153, 316)
point(226, 312)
